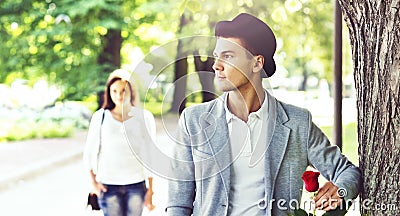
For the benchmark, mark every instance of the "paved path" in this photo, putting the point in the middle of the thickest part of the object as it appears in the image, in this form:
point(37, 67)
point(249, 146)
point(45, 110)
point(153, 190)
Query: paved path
point(46, 177)
point(24, 160)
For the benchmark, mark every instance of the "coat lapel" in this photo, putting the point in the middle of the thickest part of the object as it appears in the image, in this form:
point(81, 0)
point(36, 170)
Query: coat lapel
point(276, 149)
point(216, 133)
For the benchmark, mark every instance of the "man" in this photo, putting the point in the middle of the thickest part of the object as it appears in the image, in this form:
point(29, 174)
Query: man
point(244, 153)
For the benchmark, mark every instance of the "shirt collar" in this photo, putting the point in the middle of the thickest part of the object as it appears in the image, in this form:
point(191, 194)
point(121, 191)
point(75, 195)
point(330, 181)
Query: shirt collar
point(229, 116)
point(261, 113)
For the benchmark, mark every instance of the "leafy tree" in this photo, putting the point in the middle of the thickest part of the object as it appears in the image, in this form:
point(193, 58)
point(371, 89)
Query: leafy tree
point(49, 44)
point(72, 43)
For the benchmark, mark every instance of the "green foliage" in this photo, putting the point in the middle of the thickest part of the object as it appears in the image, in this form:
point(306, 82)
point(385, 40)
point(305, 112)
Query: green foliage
point(157, 108)
point(61, 41)
point(302, 212)
point(89, 102)
point(298, 212)
point(54, 129)
point(336, 212)
point(26, 129)
point(304, 29)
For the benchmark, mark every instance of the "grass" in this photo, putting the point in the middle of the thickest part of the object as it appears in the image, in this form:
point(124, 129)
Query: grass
point(157, 108)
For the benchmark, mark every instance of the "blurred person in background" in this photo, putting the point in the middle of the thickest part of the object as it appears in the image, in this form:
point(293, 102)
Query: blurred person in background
point(116, 142)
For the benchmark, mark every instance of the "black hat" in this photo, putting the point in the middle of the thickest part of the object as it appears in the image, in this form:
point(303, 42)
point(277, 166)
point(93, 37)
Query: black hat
point(255, 33)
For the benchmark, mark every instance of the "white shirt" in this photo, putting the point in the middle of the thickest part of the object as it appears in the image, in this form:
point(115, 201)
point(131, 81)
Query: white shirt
point(247, 178)
point(118, 159)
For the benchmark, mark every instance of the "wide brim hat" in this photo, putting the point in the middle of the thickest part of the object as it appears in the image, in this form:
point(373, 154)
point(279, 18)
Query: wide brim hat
point(256, 33)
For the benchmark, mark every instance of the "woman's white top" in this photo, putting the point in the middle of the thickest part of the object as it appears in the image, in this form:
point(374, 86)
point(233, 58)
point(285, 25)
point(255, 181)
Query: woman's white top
point(121, 156)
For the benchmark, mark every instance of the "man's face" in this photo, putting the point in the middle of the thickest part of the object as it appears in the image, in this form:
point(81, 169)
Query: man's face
point(233, 64)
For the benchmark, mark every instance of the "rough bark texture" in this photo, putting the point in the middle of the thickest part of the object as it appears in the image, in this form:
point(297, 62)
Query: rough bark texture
point(375, 38)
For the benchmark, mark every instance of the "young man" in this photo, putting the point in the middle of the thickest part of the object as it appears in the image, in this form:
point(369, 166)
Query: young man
point(245, 152)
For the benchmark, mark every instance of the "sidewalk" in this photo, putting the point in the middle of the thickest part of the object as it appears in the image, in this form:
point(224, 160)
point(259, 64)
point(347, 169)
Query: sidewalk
point(24, 160)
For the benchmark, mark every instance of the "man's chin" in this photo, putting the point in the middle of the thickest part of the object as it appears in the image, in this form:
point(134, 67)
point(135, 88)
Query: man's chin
point(224, 88)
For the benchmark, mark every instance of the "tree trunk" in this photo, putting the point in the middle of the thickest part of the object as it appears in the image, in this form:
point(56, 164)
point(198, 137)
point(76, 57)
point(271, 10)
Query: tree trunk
point(206, 76)
point(111, 54)
point(181, 70)
point(375, 38)
point(303, 85)
point(180, 83)
point(109, 59)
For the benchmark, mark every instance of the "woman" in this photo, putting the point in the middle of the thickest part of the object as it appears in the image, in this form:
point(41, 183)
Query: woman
point(116, 149)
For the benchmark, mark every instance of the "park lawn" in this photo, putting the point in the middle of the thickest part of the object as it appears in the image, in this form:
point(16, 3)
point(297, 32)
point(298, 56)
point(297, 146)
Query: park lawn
point(157, 108)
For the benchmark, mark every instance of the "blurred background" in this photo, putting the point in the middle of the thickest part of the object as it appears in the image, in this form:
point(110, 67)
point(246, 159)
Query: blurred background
point(55, 57)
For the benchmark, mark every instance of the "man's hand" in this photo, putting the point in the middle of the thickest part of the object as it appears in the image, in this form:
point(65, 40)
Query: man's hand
point(327, 198)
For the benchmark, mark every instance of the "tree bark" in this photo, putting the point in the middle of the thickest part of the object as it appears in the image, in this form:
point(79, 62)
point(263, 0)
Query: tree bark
point(109, 59)
point(374, 27)
point(206, 75)
point(111, 54)
point(180, 78)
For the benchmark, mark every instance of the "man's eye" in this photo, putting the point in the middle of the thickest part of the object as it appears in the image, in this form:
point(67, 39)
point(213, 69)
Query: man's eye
point(228, 56)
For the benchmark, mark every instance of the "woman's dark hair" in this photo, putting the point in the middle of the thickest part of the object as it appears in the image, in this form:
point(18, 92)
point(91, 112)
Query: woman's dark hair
point(108, 103)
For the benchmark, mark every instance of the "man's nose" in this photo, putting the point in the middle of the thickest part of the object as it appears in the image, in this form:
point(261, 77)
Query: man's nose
point(217, 66)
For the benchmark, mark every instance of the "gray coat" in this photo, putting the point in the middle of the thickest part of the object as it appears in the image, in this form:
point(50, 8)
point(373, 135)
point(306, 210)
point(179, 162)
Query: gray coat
point(201, 173)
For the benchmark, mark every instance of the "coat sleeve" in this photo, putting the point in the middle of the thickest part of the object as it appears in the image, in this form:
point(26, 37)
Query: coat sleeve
point(332, 164)
point(181, 185)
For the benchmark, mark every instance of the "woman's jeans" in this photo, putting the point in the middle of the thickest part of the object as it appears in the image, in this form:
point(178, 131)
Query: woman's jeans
point(123, 200)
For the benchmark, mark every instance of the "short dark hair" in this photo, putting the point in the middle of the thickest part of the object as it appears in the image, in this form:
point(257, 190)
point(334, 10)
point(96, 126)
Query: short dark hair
point(108, 103)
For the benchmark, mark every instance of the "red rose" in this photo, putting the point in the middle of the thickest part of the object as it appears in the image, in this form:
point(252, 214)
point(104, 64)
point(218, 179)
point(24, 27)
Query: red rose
point(310, 179)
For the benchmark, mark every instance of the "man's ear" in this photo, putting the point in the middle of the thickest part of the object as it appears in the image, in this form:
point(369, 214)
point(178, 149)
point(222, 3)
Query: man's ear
point(259, 63)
